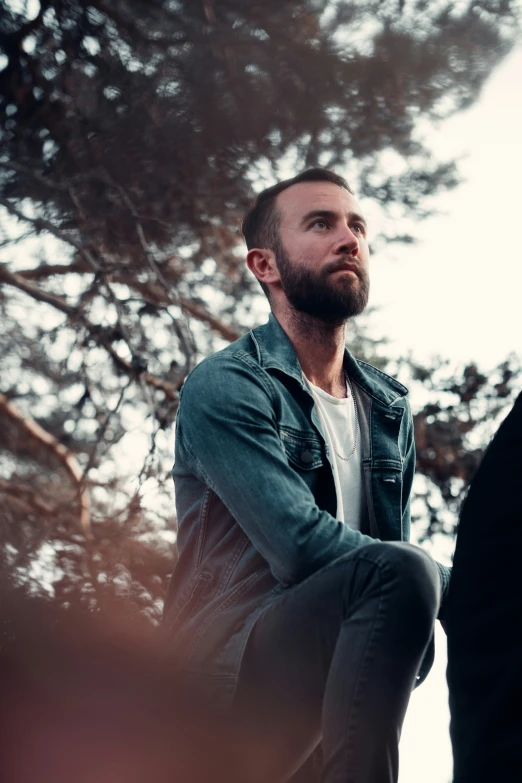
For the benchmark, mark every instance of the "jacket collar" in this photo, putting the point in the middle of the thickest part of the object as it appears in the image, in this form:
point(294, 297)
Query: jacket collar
point(275, 351)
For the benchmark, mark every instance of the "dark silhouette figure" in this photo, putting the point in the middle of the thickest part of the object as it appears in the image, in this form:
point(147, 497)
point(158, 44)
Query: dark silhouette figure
point(484, 617)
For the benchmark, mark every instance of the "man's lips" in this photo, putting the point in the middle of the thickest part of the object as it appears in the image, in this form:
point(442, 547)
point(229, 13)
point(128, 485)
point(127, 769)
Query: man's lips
point(354, 268)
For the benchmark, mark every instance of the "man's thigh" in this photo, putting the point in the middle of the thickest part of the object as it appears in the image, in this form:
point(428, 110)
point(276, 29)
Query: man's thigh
point(286, 664)
point(288, 656)
point(288, 659)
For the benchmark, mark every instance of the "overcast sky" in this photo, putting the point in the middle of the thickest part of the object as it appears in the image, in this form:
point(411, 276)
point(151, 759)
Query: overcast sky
point(457, 293)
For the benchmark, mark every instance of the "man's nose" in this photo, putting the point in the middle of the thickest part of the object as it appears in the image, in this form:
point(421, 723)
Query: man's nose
point(347, 242)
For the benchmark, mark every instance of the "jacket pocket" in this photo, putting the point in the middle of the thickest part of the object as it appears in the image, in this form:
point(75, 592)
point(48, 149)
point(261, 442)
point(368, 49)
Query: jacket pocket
point(303, 451)
point(229, 599)
point(188, 600)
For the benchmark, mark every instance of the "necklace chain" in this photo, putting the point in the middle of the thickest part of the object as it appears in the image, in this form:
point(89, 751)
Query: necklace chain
point(350, 455)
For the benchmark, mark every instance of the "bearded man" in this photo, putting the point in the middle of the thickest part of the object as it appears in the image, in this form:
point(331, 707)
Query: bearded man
point(295, 596)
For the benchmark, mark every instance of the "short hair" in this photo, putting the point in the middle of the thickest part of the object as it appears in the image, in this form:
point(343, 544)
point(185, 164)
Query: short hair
point(260, 226)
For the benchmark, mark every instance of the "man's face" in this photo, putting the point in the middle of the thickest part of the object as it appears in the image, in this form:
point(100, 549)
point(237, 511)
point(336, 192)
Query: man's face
point(323, 254)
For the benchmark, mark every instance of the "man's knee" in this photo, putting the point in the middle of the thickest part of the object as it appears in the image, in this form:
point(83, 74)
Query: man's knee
point(410, 575)
point(418, 575)
point(404, 575)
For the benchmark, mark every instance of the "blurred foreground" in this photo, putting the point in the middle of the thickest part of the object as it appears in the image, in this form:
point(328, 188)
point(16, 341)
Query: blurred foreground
point(86, 698)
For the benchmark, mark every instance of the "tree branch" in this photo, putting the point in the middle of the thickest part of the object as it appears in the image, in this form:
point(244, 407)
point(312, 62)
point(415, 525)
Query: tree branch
point(21, 169)
point(25, 496)
point(152, 291)
point(201, 314)
point(65, 455)
point(96, 331)
point(192, 308)
point(41, 296)
point(197, 311)
point(41, 224)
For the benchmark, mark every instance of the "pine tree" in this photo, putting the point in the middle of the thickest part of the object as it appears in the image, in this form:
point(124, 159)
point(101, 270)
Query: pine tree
point(134, 135)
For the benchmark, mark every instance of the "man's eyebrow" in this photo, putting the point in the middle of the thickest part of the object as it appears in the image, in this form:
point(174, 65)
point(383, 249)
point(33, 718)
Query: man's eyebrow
point(327, 213)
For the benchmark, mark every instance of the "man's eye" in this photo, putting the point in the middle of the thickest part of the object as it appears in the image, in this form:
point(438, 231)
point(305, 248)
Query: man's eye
point(358, 227)
point(320, 223)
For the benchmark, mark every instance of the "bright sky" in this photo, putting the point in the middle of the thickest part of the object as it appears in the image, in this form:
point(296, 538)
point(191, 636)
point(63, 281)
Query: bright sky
point(457, 294)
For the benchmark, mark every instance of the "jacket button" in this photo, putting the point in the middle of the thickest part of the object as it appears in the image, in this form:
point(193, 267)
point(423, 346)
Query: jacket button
point(307, 457)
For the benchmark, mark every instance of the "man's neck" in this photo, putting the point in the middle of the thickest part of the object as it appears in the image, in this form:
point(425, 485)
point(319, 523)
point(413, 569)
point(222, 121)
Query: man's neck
point(319, 347)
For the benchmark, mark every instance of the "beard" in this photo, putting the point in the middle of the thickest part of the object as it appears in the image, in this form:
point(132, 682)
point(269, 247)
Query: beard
point(332, 300)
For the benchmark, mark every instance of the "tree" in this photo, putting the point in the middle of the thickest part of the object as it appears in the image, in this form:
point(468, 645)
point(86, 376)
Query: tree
point(133, 137)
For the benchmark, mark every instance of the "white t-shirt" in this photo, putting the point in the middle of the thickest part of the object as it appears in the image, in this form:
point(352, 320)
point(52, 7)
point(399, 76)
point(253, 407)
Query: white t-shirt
point(339, 422)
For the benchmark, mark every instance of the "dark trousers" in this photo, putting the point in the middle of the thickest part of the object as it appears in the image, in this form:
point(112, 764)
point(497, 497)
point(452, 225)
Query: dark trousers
point(334, 660)
point(484, 617)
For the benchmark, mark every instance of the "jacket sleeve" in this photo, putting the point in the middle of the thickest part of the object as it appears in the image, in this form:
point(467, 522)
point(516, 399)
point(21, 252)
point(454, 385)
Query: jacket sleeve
point(227, 432)
point(408, 474)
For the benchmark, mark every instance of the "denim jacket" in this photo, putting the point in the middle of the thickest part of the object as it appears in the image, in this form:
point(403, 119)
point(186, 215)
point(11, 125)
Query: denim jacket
point(255, 494)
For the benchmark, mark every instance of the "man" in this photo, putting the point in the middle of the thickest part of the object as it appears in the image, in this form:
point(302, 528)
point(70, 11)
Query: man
point(294, 463)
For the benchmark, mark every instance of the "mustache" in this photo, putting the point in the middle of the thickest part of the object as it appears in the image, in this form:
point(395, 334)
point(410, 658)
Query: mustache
point(346, 262)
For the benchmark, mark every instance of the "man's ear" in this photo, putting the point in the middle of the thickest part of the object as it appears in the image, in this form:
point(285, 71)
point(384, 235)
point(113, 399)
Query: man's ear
point(262, 264)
